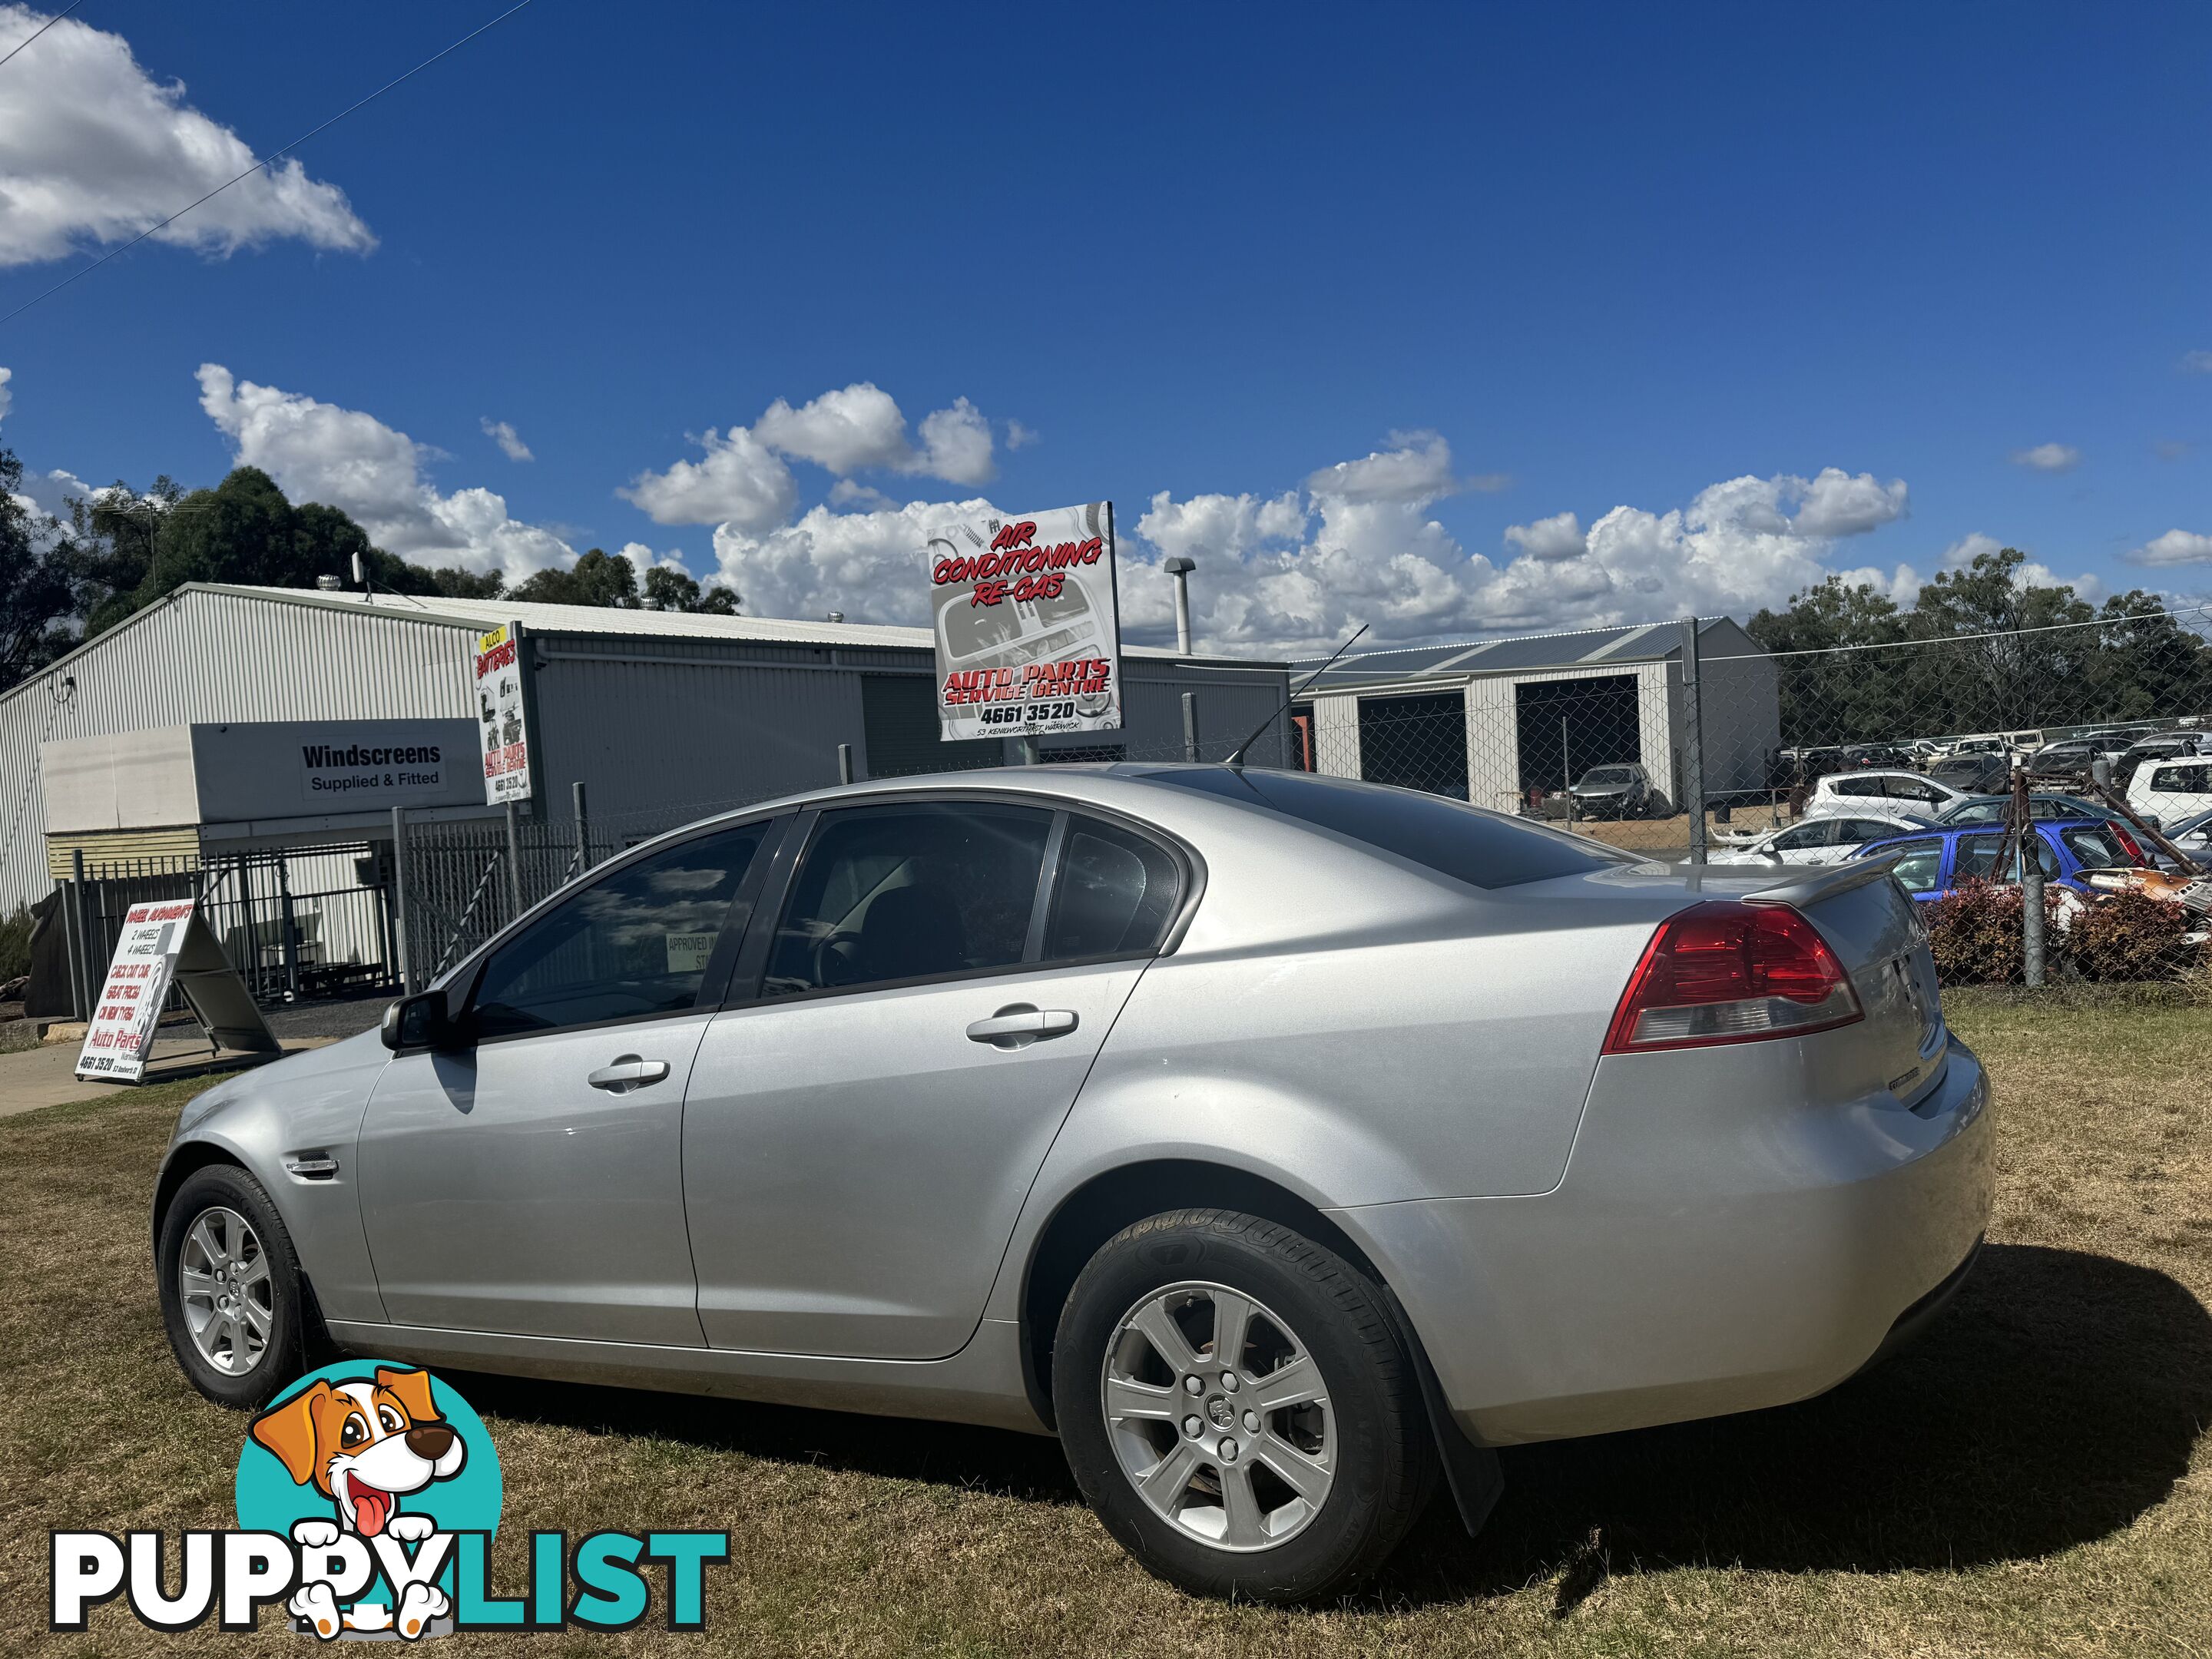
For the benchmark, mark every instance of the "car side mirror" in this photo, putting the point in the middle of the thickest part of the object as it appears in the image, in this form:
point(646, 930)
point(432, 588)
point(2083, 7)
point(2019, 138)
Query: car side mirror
point(421, 1022)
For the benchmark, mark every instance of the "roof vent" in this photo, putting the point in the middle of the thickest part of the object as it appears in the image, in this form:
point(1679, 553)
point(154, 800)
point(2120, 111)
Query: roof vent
point(329, 584)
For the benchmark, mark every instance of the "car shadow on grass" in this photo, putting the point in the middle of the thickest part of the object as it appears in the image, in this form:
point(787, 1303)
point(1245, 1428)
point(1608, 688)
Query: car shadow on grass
point(2056, 1401)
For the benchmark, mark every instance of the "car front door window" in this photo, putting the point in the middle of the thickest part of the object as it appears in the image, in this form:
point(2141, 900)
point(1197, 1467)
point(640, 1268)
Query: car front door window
point(1921, 867)
point(896, 893)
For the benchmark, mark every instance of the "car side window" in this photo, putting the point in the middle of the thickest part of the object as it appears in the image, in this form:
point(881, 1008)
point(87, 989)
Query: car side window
point(1852, 832)
point(633, 944)
point(1820, 832)
point(1921, 868)
point(1858, 785)
point(1116, 895)
point(914, 892)
point(2096, 849)
point(1910, 789)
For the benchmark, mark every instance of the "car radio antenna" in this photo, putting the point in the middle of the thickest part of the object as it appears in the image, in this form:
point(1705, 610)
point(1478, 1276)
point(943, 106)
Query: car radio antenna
point(1236, 762)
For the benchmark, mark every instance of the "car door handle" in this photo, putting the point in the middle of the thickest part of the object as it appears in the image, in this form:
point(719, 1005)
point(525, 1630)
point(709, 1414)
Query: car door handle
point(628, 1071)
point(1018, 1025)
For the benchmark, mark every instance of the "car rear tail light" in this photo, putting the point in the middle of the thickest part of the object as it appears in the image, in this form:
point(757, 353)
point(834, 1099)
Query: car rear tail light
point(2133, 847)
point(1730, 972)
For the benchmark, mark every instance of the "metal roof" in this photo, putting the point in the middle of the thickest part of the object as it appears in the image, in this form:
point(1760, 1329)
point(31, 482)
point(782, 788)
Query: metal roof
point(1464, 660)
point(484, 614)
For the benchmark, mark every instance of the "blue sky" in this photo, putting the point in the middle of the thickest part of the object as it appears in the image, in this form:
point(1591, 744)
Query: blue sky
point(1511, 264)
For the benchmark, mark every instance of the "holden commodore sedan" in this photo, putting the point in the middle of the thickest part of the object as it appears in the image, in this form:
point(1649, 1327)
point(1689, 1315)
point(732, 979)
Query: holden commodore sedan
point(1282, 1143)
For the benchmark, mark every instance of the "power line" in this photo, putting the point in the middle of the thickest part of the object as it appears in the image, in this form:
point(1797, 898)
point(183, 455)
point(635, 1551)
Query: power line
point(44, 26)
point(272, 155)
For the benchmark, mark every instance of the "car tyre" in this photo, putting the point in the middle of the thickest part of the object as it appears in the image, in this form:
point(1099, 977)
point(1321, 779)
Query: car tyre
point(1300, 1477)
point(232, 1298)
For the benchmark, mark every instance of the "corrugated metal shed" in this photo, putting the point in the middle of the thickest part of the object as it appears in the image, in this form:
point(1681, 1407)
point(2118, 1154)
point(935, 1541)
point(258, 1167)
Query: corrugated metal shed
point(1467, 659)
point(652, 711)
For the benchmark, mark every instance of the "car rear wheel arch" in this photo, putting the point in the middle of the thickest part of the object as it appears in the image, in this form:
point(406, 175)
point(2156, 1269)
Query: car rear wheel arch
point(1106, 1203)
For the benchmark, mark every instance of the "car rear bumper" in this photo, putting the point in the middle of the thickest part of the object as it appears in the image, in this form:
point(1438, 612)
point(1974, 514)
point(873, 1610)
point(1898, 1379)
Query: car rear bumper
point(1711, 1248)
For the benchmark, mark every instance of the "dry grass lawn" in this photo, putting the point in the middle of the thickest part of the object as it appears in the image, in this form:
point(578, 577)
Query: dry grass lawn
point(2031, 1478)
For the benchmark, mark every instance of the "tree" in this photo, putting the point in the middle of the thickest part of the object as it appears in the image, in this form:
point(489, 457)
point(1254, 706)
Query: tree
point(39, 589)
point(610, 579)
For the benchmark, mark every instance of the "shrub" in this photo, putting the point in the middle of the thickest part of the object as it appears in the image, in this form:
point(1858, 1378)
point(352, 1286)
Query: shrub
point(2134, 936)
point(15, 945)
point(1974, 930)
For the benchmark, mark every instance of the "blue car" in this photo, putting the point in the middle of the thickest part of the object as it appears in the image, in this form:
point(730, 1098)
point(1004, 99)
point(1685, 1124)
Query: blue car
point(1936, 861)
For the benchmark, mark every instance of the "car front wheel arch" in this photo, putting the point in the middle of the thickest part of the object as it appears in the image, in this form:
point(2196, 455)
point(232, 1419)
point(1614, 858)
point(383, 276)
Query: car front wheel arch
point(1104, 1206)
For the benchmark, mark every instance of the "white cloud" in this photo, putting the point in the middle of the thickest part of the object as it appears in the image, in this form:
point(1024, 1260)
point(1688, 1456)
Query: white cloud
point(7, 396)
point(1559, 536)
point(318, 452)
point(868, 565)
point(2175, 547)
point(2048, 458)
point(92, 151)
point(1019, 436)
point(741, 482)
point(2197, 362)
point(1968, 548)
point(851, 494)
point(509, 441)
point(743, 479)
point(1293, 574)
point(1416, 468)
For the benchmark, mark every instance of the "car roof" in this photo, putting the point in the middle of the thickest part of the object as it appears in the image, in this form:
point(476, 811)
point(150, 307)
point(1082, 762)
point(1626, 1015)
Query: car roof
point(1950, 830)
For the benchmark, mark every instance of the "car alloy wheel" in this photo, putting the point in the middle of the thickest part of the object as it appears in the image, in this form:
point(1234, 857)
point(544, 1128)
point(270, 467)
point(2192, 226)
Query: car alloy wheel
point(1218, 1417)
point(224, 1289)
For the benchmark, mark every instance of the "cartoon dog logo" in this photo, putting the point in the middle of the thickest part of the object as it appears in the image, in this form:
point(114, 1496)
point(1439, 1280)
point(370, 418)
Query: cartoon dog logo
point(364, 1445)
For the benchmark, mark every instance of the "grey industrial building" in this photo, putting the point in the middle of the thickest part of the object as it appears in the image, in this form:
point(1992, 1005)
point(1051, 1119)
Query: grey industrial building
point(1488, 722)
point(654, 713)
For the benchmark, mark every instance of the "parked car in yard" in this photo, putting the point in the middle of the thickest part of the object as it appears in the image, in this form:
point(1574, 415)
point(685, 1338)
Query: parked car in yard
point(2170, 790)
point(1930, 867)
point(1166, 1108)
point(1997, 809)
point(2166, 745)
point(1829, 838)
point(1914, 792)
point(1618, 792)
point(2192, 834)
point(1979, 773)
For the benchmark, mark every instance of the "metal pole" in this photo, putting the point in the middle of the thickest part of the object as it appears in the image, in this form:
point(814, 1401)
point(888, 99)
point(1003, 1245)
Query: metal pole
point(844, 762)
point(513, 861)
point(1025, 751)
point(1693, 748)
point(2031, 883)
point(69, 920)
point(399, 899)
point(583, 834)
point(1567, 772)
point(285, 920)
point(253, 968)
point(88, 962)
point(1190, 726)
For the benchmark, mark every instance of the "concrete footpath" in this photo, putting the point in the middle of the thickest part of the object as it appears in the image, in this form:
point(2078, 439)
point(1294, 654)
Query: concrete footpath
point(44, 1076)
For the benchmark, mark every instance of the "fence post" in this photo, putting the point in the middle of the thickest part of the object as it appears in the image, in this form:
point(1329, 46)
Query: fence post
point(844, 762)
point(583, 834)
point(252, 966)
point(1190, 726)
point(513, 861)
point(89, 978)
point(2025, 846)
point(287, 920)
point(1693, 748)
point(1566, 772)
point(71, 919)
point(399, 899)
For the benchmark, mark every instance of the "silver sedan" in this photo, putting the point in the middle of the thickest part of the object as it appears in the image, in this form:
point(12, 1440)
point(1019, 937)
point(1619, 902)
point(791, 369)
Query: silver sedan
point(1281, 1143)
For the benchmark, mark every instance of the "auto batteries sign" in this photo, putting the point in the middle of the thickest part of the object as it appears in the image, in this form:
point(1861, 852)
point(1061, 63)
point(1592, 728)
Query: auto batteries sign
point(121, 1031)
point(500, 712)
point(1027, 624)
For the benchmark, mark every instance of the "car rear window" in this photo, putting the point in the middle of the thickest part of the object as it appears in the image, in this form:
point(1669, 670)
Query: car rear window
point(2095, 849)
point(1483, 849)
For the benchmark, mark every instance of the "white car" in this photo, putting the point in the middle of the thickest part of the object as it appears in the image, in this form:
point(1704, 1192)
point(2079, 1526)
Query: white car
point(1829, 838)
point(2169, 791)
point(1912, 793)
